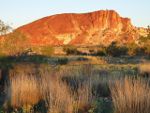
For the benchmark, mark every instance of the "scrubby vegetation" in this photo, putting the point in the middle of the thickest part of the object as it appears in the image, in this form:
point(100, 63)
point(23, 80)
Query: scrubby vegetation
point(115, 50)
point(113, 79)
point(75, 89)
point(131, 96)
point(71, 50)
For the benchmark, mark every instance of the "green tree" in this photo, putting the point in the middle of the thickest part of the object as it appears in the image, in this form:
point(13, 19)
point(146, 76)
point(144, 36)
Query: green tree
point(4, 29)
point(145, 42)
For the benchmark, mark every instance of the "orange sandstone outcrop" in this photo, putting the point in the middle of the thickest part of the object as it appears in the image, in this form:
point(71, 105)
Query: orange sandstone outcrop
point(95, 28)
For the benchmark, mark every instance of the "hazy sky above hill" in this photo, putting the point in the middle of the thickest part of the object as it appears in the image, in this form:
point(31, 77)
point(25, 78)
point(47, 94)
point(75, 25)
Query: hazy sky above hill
point(20, 12)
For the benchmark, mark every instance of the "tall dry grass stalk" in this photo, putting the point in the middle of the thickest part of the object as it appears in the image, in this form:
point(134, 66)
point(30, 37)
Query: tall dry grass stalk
point(60, 98)
point(23, 90)
point(56, 95)
point(131, 96)
point(30, 85)
point(27, 90)
point(85, 97)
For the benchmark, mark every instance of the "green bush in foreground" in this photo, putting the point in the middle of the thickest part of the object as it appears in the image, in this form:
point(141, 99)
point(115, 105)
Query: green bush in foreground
point(103, 105)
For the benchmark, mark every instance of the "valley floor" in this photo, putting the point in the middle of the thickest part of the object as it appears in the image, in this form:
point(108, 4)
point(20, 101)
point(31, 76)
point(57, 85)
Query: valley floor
point(74, 84)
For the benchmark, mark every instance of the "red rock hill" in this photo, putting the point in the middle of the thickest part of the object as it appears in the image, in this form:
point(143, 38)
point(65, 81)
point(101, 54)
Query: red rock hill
point(95, 28)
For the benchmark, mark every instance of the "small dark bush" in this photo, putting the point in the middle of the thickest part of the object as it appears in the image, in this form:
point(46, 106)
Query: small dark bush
point(103, 105)
point(62, 61)
point(101, 52)
point(101, 90)
point(140, 51)
point(71, 50)
point(115, 50)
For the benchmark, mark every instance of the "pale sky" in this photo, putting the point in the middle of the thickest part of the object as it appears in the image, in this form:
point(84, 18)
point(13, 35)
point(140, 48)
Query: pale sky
point(20, 12)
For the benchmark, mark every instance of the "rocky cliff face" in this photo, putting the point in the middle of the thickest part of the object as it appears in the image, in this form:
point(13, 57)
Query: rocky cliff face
point(95, 28)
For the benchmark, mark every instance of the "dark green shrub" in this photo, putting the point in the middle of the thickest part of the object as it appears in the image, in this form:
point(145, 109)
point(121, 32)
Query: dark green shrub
point(71, 50)
point(82, 59)
point(101, 52)
point(115, 50)
point(132, 49)
point(62, 61)
point(145, 44)
point(101, 90)
point(140, 51)
point(91, 51)
point(147, 51)
point(103, 105)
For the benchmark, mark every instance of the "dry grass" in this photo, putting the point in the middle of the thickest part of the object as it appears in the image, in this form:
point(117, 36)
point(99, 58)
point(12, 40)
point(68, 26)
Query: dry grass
point(27, 90)
point(131, 96)
point(23, 91)
point(29, 85)
point(56, 95)
point(144, 69)
point(60, 98)
point(85, 97)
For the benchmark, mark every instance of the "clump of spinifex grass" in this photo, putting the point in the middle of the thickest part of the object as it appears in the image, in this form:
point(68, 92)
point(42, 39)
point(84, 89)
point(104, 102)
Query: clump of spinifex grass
point(131, 96)
point(24, 91)
point(56, 95)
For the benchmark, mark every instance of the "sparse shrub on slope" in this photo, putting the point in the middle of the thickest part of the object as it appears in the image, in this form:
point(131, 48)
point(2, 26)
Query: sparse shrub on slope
point(132, 47)
point(137, 50)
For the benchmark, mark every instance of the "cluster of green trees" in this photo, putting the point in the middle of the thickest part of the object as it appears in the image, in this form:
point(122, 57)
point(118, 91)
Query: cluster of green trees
point(114, 50)
point(141, 48)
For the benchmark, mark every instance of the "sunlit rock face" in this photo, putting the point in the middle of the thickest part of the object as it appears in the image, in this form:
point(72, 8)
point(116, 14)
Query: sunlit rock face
point(95, 28)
